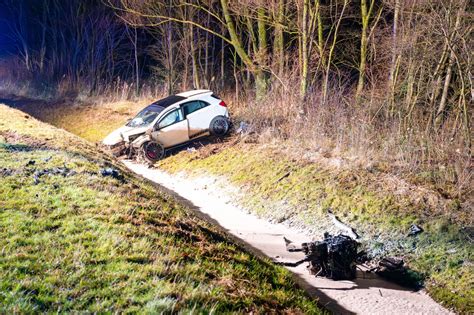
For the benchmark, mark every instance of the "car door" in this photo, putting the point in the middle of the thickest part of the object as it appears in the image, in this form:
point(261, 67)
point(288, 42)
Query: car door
point(198, 117)
point(171, 129)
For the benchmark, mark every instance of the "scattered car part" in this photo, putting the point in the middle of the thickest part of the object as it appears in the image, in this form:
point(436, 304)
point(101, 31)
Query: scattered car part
point(112, 172)
point(244, 128)
point(334, 257)
point(64, 171)
point(415, 230)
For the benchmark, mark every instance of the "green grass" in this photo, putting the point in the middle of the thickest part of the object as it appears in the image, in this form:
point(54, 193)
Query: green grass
point(283, 189)
point(84, 242)
point(442, 255)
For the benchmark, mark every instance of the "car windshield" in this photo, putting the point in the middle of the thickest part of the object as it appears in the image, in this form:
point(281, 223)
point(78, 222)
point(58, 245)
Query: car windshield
point(146, 116)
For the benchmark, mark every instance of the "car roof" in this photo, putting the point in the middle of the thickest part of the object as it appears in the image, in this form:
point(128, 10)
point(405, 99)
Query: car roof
point(193, 93)
point(173, 99)
point(168, 101)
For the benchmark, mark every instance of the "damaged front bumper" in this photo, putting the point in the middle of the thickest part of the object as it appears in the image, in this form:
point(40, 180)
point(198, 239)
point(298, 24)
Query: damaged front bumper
point(129, 148)
point(117, 149)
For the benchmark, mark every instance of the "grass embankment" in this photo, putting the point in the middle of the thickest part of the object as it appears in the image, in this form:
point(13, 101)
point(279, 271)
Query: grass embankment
point(283, 186)
point(74, 240)
point(382, 211)
point(90, 120)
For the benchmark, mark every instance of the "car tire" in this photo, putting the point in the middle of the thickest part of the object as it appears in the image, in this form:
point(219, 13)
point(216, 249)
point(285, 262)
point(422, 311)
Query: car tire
point(152, 151)
point(219, 126)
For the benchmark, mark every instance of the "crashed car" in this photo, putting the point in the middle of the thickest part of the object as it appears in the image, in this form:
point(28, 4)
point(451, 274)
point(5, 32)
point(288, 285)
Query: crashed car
point(170, 122)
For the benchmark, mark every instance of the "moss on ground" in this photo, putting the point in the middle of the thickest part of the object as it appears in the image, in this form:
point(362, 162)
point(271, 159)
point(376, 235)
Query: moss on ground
point(299, 192)
point(74, 240)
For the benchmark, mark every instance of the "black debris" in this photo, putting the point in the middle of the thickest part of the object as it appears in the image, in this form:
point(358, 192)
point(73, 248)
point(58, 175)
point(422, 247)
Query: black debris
point(362, 257)
point(36, 178)
point(414, 230)
point(391, 263)
point(395, 270)
point(63, 171)
point(333, 258)
point(6, 172)
point(392, 268)
point(342, 253)
point(31, 162)
point(112, 172)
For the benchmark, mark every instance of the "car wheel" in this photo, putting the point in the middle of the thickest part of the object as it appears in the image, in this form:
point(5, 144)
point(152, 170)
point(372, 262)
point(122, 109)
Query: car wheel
point(219, 126)
point(152, 151)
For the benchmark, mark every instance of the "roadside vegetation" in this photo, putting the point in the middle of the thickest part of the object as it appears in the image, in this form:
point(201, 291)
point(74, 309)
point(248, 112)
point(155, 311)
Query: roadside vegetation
point(361, 107)
point(291, 189)
point(386, 84)
point(285, 183)
point(74, 240)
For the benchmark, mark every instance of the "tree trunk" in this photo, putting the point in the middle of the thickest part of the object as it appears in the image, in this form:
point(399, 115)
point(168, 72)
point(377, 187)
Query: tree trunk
point(331, 51)
point(363, 46)
point(394, 41)
point(278, 43)
point(170, 60)
point(261, 76)
point(304, 50)
point(237, 44)
point(196, 81)
point(449, 71)
point(206, 53)
point(137, 68)
point(394, 58)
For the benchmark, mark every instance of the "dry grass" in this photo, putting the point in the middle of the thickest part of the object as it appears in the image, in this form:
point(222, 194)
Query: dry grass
point(378, 177)
point(360, 137)
point(276, 182)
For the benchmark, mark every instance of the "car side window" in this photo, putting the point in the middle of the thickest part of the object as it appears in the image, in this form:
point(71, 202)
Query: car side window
point(171, 118)
point(191, 107)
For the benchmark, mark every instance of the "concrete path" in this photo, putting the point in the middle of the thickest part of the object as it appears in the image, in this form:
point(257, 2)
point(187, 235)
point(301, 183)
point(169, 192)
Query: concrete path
point(367, 294)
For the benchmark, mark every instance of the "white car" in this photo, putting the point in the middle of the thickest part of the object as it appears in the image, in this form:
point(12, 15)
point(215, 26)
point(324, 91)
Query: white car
point(170, 122)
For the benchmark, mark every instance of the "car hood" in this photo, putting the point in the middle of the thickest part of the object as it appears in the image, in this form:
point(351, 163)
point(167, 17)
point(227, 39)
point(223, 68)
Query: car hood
point(122, 134)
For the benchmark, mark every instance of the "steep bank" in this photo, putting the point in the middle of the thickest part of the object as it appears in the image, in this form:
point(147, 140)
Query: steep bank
point(73, 239)
point(366, 294)
point(285, 187)
point(283, 184)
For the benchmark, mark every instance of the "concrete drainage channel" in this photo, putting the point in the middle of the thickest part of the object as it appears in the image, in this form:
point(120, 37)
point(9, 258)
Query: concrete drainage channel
point(367, 294)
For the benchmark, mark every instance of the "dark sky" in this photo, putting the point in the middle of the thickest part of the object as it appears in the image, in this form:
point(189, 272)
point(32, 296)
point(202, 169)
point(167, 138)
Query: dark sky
point(6, 44)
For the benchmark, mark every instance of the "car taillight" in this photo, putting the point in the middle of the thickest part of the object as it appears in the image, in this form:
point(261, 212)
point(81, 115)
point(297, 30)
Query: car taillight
point(223, 104)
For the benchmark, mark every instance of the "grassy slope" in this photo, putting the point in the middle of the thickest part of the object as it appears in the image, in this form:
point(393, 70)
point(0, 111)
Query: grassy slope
point(81, 241)
point(443, 254)
point(286, 189)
